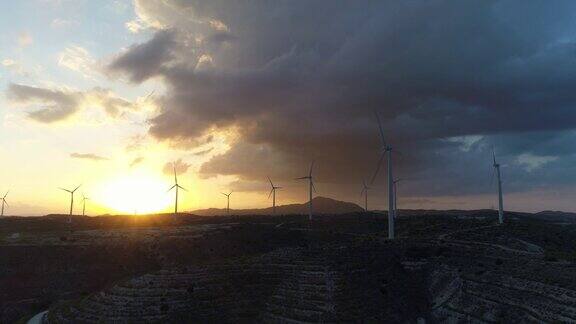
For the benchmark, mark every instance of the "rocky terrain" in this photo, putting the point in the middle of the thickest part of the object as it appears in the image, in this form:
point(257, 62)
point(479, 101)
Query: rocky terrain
point(444, 267)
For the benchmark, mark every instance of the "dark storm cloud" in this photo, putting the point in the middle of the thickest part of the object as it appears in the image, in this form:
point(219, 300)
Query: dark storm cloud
point(299, 85)
point(143, 61)
point(88, 156)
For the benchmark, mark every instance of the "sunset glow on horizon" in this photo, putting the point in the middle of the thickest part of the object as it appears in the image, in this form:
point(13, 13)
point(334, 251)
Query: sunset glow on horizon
point(110, 94)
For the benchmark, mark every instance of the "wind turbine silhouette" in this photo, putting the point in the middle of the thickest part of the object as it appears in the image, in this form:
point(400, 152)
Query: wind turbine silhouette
point(387, 152)
point(4, 202)
point(228, 203)
point(176, 186)
point(84, 198)
point(500, 198)
point(273, 193)
point(71, 201)
point(396, 185)
point(311, 187)
point(364, 193)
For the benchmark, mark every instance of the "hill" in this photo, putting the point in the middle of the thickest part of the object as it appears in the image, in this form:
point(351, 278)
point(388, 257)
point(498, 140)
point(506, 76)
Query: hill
point(322, 205)
point(555, 216)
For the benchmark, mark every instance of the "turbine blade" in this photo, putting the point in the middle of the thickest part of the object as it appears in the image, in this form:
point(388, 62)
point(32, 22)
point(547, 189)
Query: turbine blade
point(492, 176)
point(76, 188)
point(5, 202)
point(302, 178)
point(171, 188)
point(65, 190)
point(314, 187)
point(494, 155)
point(270, 194)
point(311, 167)
point(175, 178)
point(270, 182)
point(380, 128)
point(179, 186)
point(6, 194)
point(378, 167)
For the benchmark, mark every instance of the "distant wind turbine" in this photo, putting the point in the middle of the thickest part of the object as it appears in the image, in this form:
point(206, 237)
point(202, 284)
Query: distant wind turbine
point(364, 193)
point(273, 193)
point(71, 192)
point(311, 188)
point(176, 186)
point(500, 198)
point(396, 185)
point(84, 198)
point(228, 202)
point(4, 202)
point(387, 152)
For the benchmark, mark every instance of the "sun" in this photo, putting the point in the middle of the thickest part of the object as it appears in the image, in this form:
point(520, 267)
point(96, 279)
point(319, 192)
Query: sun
point(136, 193)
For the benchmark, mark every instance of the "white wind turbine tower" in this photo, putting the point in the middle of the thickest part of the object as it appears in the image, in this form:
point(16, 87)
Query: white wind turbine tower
point(71, 192)
point(273, 193)
point(228, 202)
point(387, 152)
point(84, 198)
point(311, 188)
point(500, 199)
point(364, 193)
point(4, 202)
point(177, 187)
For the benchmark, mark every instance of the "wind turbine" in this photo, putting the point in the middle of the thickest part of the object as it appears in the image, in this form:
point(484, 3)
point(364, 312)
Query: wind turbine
point(71, 192)
point(364, 193)
point(273, 193)
point(387, 152)
point(396, 185)
point(84, 198)
point(176, 186)
point(4, 202)
point(228, 202)
point(311, 187)
point(500, 199)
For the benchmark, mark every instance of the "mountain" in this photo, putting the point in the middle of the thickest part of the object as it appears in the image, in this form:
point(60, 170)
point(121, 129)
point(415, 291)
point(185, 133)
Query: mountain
point(322, 205)
point(555, 216)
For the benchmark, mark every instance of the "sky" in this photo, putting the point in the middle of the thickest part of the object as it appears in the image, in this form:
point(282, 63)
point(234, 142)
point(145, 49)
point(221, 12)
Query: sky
point(110, 95)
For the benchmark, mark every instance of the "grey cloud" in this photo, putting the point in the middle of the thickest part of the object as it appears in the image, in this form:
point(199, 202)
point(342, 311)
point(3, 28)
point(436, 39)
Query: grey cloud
point(55, 105)
point(203, 152)
point(178, 165)
point(143, 61)
point(299, 86)
point(58, 105)
point(136, 161)
point(112, 104)
point(88, 156)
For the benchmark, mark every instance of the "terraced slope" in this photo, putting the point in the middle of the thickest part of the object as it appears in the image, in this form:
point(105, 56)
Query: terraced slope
point(289, 285)
point(481, 273)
